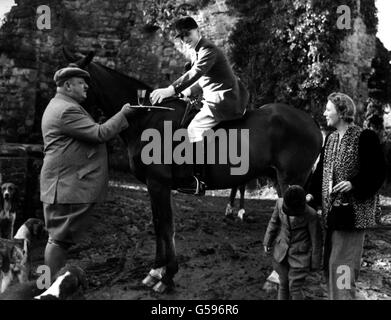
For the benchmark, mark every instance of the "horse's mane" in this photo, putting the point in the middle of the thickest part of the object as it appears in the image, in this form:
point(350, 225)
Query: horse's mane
point(133, 81)
point(128, 86)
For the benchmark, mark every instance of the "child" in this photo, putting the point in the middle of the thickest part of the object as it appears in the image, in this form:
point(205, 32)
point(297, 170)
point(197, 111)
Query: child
point(296, 230)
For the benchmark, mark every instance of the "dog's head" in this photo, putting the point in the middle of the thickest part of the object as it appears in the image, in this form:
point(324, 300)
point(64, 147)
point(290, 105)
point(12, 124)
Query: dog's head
point(77, 273)
point(37, 229)
point(9, 191)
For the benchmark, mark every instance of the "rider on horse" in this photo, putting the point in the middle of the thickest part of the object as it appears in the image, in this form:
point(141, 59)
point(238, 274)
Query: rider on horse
point(224, 96)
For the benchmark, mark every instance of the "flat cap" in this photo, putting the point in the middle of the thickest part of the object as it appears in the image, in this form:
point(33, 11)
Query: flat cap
point(71, 71)
point(184, 25)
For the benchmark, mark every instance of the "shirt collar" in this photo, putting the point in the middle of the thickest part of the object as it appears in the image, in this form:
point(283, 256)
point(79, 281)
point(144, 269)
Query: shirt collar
point(65, 98)
point(198, 45)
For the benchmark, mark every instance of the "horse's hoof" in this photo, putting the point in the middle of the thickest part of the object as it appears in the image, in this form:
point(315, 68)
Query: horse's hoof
point(161, 287)
point(150, 281)
point(241, 214)
point(154, 276)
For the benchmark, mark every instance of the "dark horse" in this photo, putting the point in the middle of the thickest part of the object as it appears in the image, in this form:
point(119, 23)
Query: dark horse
point(280, 137)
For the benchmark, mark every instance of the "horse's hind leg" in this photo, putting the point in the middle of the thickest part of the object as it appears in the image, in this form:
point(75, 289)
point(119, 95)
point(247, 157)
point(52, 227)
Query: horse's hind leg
point(241, 212)
point(165, 259)
point(231, 204)
point(232, 196)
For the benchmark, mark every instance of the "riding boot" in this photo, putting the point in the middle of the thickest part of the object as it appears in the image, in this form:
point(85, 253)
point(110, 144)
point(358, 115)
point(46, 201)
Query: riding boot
point(189, 175)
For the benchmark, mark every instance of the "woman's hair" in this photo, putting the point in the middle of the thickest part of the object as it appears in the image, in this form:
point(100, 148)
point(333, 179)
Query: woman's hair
point(344, 105)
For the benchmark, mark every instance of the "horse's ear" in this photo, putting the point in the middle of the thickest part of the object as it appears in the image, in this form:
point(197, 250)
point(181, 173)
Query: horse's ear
point(68, 55)
point(86, 60)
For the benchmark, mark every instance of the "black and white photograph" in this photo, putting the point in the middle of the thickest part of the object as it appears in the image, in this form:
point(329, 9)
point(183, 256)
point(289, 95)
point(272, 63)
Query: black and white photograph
point(195, 154)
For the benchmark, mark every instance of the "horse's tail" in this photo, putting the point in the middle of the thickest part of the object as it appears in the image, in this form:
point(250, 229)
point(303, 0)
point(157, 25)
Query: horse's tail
point(252, 185)
point(268, 180)
point(308, 182)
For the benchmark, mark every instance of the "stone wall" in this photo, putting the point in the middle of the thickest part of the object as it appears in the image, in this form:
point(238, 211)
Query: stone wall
point(17, 100)
point(354, 67)
point(116, 31)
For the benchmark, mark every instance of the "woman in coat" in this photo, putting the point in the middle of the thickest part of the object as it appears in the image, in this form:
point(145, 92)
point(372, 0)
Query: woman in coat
point(351, 170)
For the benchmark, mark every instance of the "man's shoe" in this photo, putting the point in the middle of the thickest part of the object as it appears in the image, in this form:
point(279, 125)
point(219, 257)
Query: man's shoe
point(197, 187)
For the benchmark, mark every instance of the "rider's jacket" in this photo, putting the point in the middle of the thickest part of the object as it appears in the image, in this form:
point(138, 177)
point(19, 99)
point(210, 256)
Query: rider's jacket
point(223, 92)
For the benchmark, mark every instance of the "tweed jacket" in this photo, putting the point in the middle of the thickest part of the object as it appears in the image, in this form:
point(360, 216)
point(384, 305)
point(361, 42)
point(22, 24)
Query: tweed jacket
point(297, 238)
point(223, 93)
point(360, 160)
point(75, 163)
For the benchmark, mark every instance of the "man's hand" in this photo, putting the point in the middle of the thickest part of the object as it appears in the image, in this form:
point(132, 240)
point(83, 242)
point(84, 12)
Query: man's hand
point(127, 109)
point(158, 95)
point(343, 186)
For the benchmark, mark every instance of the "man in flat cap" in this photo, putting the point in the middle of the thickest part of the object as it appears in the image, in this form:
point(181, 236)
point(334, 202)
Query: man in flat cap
point(224, 96)
point(74, 175)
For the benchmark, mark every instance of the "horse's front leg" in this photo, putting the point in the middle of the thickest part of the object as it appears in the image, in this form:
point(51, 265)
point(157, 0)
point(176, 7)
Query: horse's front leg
point(166, 264)
point(159, 267)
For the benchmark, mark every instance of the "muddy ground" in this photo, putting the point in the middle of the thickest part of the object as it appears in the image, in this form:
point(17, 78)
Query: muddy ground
point(219, 258)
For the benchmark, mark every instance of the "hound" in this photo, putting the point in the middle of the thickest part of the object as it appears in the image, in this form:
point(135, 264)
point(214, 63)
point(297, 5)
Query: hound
point(8, 211)
point(69, 285)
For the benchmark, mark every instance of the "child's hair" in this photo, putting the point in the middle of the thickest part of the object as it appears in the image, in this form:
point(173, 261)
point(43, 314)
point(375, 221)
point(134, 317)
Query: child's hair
point(294, 199)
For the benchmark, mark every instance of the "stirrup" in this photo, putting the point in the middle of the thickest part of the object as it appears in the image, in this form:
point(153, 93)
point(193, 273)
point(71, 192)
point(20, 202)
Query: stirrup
point(197, 190)
point(200, 189)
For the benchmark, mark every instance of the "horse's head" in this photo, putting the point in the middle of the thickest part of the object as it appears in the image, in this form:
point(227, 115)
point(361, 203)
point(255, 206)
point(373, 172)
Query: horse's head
point(109, 90)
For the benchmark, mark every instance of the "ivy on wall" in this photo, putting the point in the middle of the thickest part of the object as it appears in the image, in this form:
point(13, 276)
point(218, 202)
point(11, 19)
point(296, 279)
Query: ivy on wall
point(286, 50)
point(368, 12)
point(11, 42)
point(379, 84)
point(162, 13)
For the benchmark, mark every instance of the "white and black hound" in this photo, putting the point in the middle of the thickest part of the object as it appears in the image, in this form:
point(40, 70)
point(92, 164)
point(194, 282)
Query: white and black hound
point(70, 283)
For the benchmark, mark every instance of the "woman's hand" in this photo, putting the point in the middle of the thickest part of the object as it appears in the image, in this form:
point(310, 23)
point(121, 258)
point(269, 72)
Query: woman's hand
point(309, 197)
point(343, 186)
point(158, 95)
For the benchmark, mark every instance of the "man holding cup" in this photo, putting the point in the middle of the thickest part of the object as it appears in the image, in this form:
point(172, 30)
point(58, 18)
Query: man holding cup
point(74, 174)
